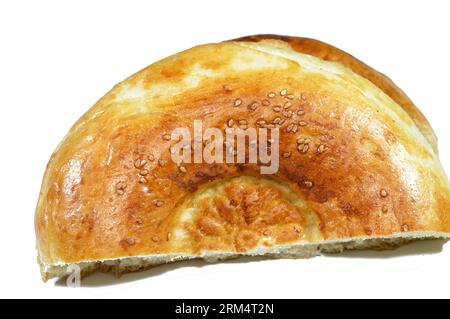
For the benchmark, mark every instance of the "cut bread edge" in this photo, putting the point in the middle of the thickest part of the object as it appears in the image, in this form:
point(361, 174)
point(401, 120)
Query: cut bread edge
point(128, 264)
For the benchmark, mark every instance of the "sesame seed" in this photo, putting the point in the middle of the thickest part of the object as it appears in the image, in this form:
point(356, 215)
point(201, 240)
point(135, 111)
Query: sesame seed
point(142, 180)
point(253, 106)
point(230, 123)
point(287, 105)
point(266, 232)
point(289, 128)
point(383, 193)
point(290, 96)
point(151, 158)
point(166, 137)
point(139, 163)
point(144, 172)
point(120, 188)
point(283, 92)
point(237, 102)
point(308, 184)
point(277, 109)
point(300, 112)
point(287, 154)
point(301, 140)
point(156, 239)
point(182, 169)
point(266, 102)
point(303, 148)
point(161, 162)
point(321, 149)
point(158, 202)
point(276, 120)
point(287, 114)
point(271, 95)
point(405, 227)
point(302, 123)
point(261, 122)
point(169, 235)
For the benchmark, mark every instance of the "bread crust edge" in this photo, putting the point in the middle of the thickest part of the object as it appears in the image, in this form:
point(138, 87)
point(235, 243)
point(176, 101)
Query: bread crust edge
point(124, 265)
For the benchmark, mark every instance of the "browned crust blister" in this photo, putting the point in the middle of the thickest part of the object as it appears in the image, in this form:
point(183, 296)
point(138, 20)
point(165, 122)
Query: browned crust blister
point(358, 163)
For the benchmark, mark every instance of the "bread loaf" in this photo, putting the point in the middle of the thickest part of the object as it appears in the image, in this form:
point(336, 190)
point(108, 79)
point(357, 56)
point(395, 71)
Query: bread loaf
point(357, 163)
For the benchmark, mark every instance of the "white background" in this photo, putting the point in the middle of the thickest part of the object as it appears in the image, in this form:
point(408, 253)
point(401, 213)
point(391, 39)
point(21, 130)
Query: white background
point(58, 57)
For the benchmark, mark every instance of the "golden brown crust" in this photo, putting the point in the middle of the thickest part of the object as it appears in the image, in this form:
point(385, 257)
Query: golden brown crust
point(356, 164)
point(328, 52)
